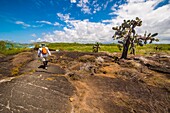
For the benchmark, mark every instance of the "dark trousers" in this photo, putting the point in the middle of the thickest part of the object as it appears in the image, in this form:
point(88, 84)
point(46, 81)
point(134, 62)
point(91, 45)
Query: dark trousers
point(45, 63)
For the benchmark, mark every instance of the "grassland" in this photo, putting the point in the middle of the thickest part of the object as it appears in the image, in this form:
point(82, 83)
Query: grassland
point(9, 48)
point(144, 50)
point(82, 47)
point(13, 51)
point(150, 48)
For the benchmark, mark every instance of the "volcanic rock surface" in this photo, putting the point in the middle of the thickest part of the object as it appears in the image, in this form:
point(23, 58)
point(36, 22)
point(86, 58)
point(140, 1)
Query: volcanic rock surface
point(83, 82)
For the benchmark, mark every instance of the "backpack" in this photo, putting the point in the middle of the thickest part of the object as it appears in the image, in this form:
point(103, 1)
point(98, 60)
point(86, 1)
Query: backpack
point(44, 51)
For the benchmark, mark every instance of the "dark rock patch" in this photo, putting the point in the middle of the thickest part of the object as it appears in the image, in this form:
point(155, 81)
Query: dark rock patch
point(52, 69)
point(36, 94)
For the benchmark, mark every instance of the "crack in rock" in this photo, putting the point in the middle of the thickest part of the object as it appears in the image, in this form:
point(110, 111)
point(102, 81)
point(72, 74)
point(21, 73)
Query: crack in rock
point(7, 106)
point(38, 86)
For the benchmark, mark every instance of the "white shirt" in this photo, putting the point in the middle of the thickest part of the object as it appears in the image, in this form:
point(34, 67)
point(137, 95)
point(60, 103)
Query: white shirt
point(42, 55)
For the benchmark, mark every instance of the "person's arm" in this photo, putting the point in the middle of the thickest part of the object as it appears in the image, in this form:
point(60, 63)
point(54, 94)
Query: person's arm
point(39, 52)
point(48, 51)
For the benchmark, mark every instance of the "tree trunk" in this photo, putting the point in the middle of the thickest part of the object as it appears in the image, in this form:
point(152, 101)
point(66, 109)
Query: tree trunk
point(125, 48)
point(97, 49)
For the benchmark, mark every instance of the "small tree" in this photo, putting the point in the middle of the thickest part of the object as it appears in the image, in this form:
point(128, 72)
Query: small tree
point(36, 46)
point(2, 45)
point(129, 38)
point(96, 47)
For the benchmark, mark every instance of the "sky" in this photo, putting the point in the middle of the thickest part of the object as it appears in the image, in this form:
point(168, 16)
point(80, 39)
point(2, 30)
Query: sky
point(81, 21)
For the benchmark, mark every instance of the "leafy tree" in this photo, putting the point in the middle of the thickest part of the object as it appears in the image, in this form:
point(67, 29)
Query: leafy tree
point(10, 45)
point(2, 45)
point(129, 38)
point(37, 46)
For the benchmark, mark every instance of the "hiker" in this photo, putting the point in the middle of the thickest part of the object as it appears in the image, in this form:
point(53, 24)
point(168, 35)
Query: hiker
point(43, 52)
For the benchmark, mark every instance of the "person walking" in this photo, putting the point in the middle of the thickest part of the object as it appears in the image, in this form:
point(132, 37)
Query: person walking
point(43, 53)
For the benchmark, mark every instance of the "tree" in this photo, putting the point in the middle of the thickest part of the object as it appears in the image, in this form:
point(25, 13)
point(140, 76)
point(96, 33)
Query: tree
point(96, 47)
point(2, 45)
point(36, 46)
point(129, 38)
point(119, 47)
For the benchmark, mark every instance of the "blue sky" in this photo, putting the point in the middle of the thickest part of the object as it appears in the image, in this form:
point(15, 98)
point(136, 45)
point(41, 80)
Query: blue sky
point(83, 21)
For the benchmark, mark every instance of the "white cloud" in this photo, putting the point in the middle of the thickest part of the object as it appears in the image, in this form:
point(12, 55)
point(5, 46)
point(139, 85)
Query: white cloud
point(113, 8)
point(32, 41)
point(89, 7)
point(56, 24)
point(44, 22)
point(82, 2)
point(135, 1)
point(73, 1)
point(84, 6)
point(86, 9)
point(63, 17)
point(34, 35)
point(22, 23)
point(97, 8)
point(154, 20)
point(82, 32)
point(35, 26)
point(106, 4)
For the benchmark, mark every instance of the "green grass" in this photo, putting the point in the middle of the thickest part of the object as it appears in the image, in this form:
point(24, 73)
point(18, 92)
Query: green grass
point(82, 47)
point(13, 51)
point(144, 50)
point(107, 47)
point(10, 48)
point(150, 48)
point(71, 47)
point(110, 48)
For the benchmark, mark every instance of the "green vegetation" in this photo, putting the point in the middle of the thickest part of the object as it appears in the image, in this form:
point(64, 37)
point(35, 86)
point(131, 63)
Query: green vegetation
point(15, 70)
point(13, 51)
point(82, 47)
point(150, 48)
point(8, 48)
point(71, 47)
point(96, 47)
point(128, 37)
point(146, 49)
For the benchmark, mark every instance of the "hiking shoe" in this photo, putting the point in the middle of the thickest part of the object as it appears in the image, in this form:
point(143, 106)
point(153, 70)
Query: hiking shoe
point(46, 68)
